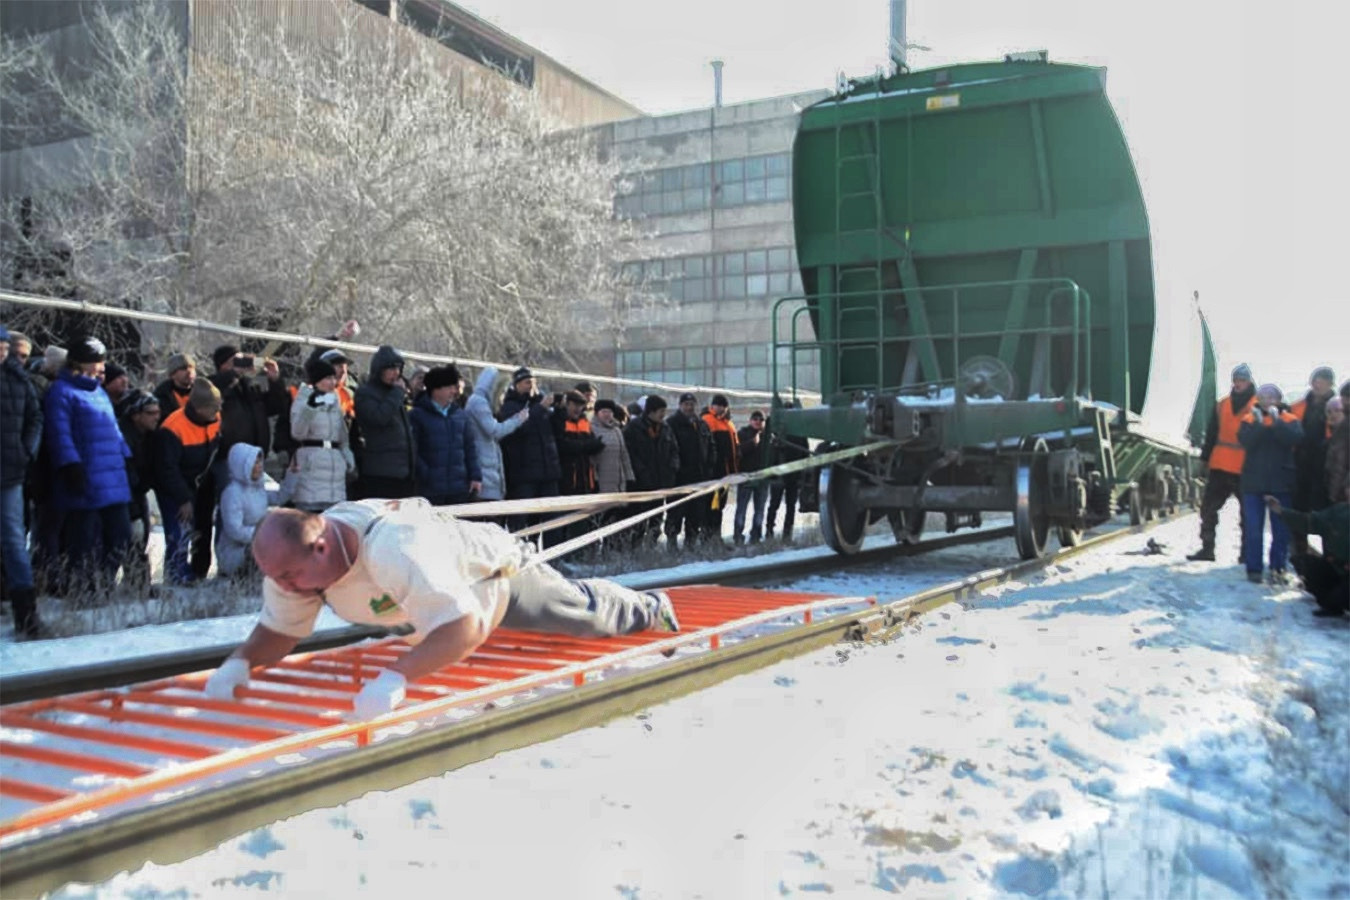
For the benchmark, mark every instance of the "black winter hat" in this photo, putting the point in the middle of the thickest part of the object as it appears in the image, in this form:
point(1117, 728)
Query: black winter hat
point(520, 375)
point(223, 354)
point(688, 396)
point(1323, 372)
point(576, 397)
point(654, 403)
point(607, 404)
point(317, 370)
point(87, 349)
point(441, 376)
point(112, 371)
point(1242, 370)
point(719, 400)
point(584, 387)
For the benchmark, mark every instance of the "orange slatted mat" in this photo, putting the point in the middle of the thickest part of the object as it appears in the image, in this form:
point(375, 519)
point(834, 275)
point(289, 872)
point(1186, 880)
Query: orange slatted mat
point(89, 752)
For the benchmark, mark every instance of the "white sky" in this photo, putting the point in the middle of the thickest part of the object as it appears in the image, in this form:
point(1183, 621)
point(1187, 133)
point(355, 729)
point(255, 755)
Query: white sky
point(1237, 121)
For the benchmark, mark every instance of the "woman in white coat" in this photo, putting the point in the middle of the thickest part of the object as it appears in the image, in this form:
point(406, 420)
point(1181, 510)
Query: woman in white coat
point(486, 432)
point(243, 504)
point(323, 461)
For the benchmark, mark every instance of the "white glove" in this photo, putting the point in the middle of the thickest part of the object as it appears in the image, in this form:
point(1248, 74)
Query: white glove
point(380, 696)
point(1257, 414)
point(1273, 411)
point(232, 673)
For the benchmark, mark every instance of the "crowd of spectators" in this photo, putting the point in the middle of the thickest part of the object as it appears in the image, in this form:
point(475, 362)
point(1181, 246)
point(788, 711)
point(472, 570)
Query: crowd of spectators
point(85, 450)
point(1293, 462)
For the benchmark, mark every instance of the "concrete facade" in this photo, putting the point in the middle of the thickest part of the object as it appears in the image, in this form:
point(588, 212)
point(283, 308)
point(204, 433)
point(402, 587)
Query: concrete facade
point(715, 188)
point(473, 49)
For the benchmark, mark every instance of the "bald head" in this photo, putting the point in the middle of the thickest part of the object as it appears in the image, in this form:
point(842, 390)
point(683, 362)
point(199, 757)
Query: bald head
point(296, 550)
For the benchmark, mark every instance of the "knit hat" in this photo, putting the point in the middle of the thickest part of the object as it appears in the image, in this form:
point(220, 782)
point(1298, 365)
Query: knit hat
point(317, 370)
point(520, 375)
point(757, 414)
point(1323, 372)
point(88, 349)
point(178, 362)
point(335, 356)
point(607, 404)
point(1242, 370)
point(576, 397)
point(654, 402)
point(1270, 390)
point(223, 354)
point(54, 357)
point(584, 387)
point(204, 397)
point(441, 376)
point(140, 401)
point(719, 400)
point(1335, 403)
point(688, 396)
point(112, 371)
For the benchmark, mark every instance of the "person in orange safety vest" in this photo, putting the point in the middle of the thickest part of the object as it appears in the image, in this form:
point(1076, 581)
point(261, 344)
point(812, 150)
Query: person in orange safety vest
point(1225, 456)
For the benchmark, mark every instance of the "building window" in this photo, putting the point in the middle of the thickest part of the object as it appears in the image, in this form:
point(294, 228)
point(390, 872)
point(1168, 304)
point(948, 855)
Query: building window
point(736, 275)
point(684, 189)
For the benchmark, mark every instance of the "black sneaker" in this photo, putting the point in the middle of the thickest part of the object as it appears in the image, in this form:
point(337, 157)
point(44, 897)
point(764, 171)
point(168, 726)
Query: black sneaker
point(1204, 554)
point(1254, 577)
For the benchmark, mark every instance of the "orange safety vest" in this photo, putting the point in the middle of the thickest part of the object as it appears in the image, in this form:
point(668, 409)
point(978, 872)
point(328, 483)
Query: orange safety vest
point(715, 424)
point(583, 426)
point(1228, 455)
point(188, 432)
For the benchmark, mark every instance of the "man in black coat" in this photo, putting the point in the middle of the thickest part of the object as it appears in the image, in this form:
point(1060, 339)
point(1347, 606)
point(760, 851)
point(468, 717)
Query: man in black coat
point(382, 437)
point(696, 454)
point(754, 443)
point(785, 488)
point(20, 435)
point(656, 461)
point(1310, 456)
point(530, 453)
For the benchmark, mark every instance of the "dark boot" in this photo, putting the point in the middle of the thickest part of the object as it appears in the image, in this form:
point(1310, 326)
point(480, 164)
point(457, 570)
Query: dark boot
point(1204, 554)
point(27, 625)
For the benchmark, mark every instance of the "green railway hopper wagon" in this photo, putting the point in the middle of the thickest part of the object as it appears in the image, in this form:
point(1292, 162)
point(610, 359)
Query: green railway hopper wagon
point(980, 301)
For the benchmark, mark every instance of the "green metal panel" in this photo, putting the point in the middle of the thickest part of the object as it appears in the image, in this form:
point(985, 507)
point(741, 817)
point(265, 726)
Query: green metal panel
point(1016, 173)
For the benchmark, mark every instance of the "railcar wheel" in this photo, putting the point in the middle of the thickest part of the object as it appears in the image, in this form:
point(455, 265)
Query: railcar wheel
point(842, 521)
point(1069, 537)
point(1031, 521)
point(906, 525)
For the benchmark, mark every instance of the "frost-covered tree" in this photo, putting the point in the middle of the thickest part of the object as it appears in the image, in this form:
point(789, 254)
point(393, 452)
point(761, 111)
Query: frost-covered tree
point(358, 169)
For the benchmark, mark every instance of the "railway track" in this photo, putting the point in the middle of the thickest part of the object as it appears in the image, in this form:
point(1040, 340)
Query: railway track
point(34, 862)
point(118, 673)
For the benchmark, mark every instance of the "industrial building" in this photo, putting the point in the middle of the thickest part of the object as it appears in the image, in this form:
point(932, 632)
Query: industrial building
point(714, 187)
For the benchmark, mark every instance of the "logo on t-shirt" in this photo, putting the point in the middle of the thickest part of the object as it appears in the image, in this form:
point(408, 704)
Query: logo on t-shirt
point(382, 604)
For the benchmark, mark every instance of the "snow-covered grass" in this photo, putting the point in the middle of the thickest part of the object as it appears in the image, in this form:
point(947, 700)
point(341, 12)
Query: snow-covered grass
point(1126, 725)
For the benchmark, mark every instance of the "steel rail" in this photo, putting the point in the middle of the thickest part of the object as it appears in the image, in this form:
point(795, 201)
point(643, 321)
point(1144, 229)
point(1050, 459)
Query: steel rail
point(172, 832)
point(120, 672)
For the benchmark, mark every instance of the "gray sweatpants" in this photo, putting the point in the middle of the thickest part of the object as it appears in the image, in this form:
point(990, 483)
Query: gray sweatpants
point(543, 600)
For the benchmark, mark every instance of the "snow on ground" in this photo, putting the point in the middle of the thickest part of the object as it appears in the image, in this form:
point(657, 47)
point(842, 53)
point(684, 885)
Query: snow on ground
point(1125, 726)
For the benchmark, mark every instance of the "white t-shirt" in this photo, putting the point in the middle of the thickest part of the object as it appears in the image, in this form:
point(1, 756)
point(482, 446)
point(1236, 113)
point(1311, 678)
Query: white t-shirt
point(416, 565)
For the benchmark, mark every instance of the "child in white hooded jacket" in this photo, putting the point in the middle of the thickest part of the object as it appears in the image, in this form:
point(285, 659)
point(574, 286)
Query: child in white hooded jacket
point(243, 504)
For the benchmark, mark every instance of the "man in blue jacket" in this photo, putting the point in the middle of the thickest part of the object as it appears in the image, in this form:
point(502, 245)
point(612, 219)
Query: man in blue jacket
point(20, 435)
point(88, 457)
point(1268, 434)
point(447, 460)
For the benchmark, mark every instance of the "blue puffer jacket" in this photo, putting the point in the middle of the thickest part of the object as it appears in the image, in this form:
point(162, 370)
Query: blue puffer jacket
point(82, 430)
point(446, 457)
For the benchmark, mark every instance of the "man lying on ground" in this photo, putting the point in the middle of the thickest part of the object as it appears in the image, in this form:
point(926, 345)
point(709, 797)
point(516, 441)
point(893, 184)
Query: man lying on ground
point(395, 562)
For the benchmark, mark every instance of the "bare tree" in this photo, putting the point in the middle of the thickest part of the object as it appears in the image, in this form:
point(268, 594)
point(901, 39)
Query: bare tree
point(357, 170)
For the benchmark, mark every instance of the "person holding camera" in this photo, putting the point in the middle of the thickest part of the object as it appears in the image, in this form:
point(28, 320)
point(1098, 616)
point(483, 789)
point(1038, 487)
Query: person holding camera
point(1268, 433)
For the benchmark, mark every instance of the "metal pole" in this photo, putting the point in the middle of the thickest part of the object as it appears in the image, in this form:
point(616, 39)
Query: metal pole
point(717, 80)
point(898, 36)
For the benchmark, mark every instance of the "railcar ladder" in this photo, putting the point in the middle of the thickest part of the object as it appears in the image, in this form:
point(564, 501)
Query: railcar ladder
point(864, 280)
